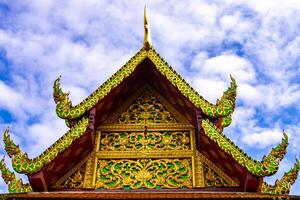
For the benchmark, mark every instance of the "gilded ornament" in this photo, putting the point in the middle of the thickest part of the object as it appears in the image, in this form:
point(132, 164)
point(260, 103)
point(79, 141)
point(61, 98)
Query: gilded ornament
point(269, 164)
point(22, 164)
point(283, 185)
point(10, 147)
point(212, 179)
point(146, 109)
point(139, 141)
point(144, 173)
point(15, 185)
point(147, 37)
point(76, 179)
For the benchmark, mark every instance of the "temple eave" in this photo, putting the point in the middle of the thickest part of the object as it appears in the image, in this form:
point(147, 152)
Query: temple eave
point(269, 164)
point(23, 165)
point(169, 194)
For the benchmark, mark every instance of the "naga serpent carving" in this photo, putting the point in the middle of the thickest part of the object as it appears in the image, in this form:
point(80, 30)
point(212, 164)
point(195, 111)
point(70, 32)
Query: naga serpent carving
point(22, 164)
point(269, 164)
point(15, 185)
point(283, 185)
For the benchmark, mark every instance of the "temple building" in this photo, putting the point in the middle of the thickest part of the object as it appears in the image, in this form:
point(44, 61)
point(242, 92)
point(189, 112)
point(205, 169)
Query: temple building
point(145, 133)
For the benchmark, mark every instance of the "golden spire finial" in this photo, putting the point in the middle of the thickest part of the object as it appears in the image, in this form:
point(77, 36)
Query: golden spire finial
point(147, 37)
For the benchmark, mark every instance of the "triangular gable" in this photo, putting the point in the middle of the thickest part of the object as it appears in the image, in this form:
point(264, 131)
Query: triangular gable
point(146, 106)
point(74, 178)
point(215, 177)
point(146, 109)
point(63, 107)
point(223, 109)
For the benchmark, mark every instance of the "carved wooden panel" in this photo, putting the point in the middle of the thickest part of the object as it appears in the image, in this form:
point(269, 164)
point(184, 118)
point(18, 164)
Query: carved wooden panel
point(146, 144)
point(144, 173)
point(146, 109)
point(150, 140)
point(76, 179)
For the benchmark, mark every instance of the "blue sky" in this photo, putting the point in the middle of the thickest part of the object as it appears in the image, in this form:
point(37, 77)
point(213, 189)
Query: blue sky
point(258, 42)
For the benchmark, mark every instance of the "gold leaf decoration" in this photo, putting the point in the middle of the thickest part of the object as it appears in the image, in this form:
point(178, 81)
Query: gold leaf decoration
point(146, 109)
point(212, 179)
point(144, 173)
point(138, 141)
point(76, 179)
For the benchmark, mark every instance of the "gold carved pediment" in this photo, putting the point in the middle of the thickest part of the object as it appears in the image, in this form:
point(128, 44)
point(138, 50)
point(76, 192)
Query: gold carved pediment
point(73, 179)
point(213, 176)
point(146, 109)
point(144, 173)
point(145, 144)
point(147, 106)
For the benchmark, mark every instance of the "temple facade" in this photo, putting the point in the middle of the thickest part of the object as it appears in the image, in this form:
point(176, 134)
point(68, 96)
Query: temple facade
point(145, 133)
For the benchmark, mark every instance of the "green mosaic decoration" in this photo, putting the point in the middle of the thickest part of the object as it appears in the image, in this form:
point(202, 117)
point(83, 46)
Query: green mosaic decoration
point(15, 185)
point(283, 185)
point(145, 141)
point(223, 108)
point(64, 108)
point(10, 147)
point(269, 164)
point(226, 121)
point(22, 164)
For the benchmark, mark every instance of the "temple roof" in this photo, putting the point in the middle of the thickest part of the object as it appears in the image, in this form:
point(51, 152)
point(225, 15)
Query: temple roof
point(22, 164)
point(217, 116)
point(269, 164)
point(221, 110)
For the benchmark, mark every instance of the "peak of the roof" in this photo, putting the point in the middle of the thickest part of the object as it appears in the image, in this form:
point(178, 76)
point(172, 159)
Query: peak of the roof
point(147, 36)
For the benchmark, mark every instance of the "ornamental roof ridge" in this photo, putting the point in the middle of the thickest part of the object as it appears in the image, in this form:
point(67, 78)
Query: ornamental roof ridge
point(222, 109)
point(269, 164)
point(23, 165)
point(283, 185)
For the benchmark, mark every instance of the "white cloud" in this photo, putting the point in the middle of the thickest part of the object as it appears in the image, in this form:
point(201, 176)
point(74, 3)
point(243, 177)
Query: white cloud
point(226, 64)
point(263, 138)
point(249, 94)
point(44, 134)
point(274, 96)
point(210, 89)
point(199, 60)
point(9, 98)
point(294, 133)
point(213, 75)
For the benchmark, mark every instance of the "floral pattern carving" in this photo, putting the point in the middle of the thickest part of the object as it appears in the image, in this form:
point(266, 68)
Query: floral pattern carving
point(76, 179)
point(144, 173)
point(212, 179)
point(146, 109)
point(139, 141)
